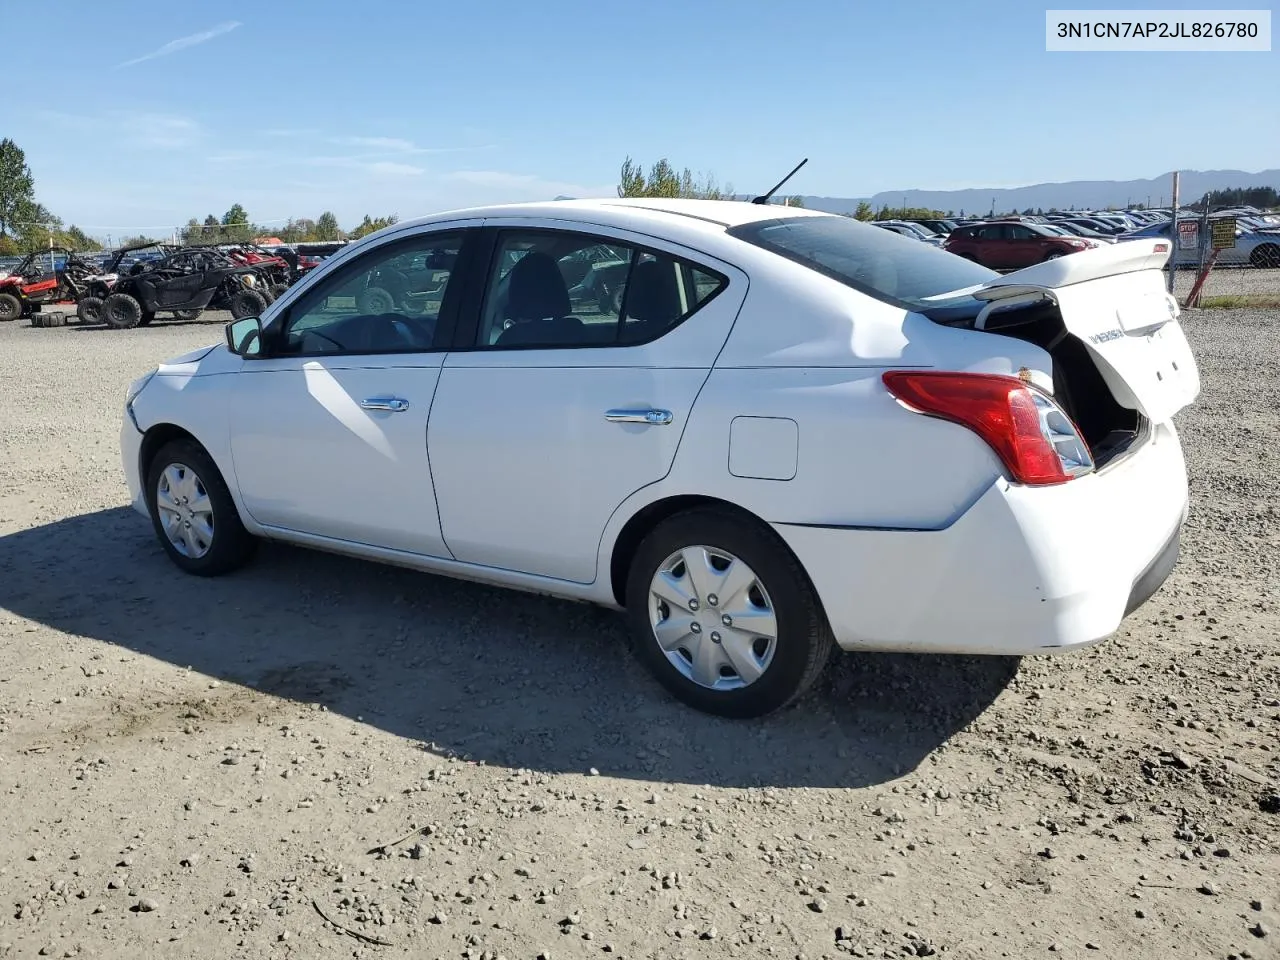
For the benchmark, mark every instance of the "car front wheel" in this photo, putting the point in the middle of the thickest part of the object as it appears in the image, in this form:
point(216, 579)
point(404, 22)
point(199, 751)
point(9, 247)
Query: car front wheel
point(723, 615)
point(193, 513)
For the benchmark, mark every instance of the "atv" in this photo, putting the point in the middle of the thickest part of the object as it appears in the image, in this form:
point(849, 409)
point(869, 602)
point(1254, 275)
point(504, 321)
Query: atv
point(275, 270)
point(184, 284)
point(38, 279)
point(127, 260)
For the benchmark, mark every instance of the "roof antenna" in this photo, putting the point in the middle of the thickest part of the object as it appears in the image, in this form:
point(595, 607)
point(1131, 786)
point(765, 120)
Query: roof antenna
point(778, 186)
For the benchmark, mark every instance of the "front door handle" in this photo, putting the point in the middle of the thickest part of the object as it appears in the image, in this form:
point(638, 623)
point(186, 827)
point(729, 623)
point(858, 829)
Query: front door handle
point(655, 418)
point(393, 404)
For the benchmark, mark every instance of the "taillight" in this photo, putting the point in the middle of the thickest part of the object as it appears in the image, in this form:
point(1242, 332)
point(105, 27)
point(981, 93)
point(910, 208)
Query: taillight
point(1029, 432)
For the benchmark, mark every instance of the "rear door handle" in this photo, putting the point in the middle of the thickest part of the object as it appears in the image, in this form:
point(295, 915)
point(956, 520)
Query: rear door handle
point(655, 418)
point(393, 404)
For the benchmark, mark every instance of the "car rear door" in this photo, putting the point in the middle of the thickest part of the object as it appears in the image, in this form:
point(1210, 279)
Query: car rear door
point(562, 399)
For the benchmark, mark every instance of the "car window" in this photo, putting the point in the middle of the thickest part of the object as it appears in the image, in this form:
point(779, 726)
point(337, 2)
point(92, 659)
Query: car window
point(552, 288)
point(1021, 233)
point(388, 300)
point(898, 270)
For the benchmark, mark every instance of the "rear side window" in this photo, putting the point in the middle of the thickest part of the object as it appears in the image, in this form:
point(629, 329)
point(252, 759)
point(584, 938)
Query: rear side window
point(559, 289)
point(896, 269)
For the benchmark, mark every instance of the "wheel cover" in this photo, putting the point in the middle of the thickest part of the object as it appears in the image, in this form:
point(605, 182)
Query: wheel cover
point(185, 510)
point(712, 618)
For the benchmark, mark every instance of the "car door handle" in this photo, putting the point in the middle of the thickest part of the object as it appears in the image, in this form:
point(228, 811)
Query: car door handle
point(655, 418)
point(393, 404)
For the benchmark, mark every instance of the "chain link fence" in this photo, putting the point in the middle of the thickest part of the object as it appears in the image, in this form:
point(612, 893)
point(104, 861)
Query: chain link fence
point(1228, 258)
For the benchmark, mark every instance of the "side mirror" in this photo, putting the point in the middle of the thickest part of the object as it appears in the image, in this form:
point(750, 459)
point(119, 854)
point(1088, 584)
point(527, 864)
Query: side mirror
point(244, 337)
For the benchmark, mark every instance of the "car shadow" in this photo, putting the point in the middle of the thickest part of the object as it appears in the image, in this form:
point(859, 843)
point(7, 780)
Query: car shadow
point(495, 675)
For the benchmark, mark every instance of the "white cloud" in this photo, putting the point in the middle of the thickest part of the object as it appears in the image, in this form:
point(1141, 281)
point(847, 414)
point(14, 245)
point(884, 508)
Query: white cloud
point(378, 143)
point(162, 131)
point(524, 186)
point(387, 168)
point(182, 43)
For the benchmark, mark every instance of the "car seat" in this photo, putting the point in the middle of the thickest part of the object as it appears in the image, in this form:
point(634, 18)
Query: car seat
point(538, 305)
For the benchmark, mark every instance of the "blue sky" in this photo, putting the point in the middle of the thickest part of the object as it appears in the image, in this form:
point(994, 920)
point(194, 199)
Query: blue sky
point(141, 115)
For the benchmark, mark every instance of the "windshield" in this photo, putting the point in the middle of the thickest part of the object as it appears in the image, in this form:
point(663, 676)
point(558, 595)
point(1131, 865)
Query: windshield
point(877, 262)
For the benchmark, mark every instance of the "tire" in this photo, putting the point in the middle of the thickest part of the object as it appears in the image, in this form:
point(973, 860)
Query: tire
point(121, 311)
point(247, 303)
point(89, 310)
point(206, 543)
point(1265, 257)
point(55, 318)
point(277, 290)
point(10, 307)
point(789, 666)
point(187, 315)
point(147, 317)
point(1053, 255)
point(375, 300)
point(609, 301)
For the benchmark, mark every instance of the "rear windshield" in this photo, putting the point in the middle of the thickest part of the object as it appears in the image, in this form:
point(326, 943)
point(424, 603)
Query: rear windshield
point(888, 266)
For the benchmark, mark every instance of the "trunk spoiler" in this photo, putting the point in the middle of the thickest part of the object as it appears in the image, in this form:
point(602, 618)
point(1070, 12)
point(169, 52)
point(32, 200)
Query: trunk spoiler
point(1105, 261)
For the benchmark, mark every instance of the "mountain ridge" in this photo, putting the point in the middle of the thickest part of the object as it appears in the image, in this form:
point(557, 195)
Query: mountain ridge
point(1096, 194)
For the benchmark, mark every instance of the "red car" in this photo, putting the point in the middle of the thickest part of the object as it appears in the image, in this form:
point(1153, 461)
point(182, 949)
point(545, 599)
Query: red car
point(1011, 245)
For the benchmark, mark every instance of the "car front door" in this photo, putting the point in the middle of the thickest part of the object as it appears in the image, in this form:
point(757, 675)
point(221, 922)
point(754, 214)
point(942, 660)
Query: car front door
point(329, 428)
point(565, 398)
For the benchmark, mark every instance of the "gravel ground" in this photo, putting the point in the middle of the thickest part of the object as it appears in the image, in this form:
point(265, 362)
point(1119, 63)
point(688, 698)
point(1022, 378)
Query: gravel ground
point(212, 768)
point(1231, 281)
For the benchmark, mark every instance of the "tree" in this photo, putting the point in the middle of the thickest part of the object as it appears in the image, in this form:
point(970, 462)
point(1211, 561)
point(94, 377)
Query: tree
point(76, 239)
point(235, 223)
point(796, 201)
point(39, 229)
point(236, 216)
point(368, 226)
point(663, 181)
point(17, 188)
point(327, 227)
point(864, 211)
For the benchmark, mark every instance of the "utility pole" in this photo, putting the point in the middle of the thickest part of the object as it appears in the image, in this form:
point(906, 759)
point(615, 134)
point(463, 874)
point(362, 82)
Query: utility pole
point(1173, 234)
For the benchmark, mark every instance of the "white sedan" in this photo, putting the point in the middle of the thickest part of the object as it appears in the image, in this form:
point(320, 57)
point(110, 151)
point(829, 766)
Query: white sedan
point(762, 432)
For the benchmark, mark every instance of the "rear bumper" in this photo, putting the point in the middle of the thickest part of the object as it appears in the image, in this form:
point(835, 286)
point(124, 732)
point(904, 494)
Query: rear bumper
point(1023, 571)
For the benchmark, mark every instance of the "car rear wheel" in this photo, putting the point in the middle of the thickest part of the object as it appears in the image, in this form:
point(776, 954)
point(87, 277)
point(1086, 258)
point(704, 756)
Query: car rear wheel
point(121, 311)
point(1266, 257)
point(723, 615)
point(193, 513)
point(10, 307)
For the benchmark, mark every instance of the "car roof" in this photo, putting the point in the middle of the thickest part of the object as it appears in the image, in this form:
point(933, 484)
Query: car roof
point(712, 215)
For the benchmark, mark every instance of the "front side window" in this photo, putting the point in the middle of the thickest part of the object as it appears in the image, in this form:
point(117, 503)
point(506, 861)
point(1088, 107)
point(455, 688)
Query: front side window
point(549, 288)
point(388, 300)
point(897, 270)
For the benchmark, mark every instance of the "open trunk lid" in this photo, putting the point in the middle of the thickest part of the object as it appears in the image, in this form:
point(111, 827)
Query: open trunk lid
point(1114, 300)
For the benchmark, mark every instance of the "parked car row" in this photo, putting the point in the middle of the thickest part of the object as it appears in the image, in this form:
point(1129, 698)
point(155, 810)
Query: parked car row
point(1013, 242)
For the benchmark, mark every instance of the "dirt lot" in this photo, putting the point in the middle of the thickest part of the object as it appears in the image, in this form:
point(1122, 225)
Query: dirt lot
point(199, 768)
